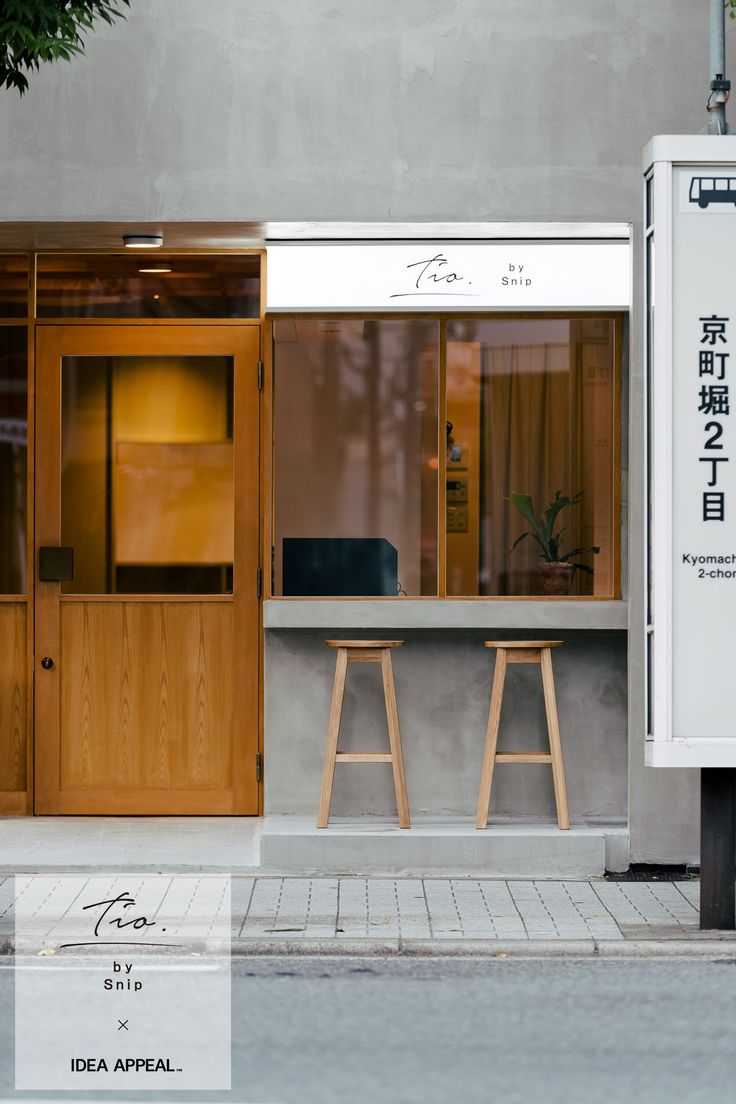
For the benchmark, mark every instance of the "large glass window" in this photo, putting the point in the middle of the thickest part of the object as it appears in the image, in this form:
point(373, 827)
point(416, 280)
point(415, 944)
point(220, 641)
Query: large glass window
point(147, 286)
point(355, 457)
point(13, 286)
point(531, 412)
point(13, 458)
point(530, 435)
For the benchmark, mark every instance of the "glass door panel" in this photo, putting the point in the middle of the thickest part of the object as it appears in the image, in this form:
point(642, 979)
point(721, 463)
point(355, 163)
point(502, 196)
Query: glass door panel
point(147, 474)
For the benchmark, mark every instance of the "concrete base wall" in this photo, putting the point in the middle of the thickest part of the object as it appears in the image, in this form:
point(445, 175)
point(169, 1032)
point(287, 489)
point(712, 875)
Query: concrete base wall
point(443, 684)
point(441, 846)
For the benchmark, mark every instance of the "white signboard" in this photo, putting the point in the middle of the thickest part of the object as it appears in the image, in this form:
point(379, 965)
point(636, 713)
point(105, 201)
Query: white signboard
point(692, 479)
point(420, 275)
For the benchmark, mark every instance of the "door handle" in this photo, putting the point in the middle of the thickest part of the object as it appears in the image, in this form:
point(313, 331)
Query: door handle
point(47, 663)
point(55, 564)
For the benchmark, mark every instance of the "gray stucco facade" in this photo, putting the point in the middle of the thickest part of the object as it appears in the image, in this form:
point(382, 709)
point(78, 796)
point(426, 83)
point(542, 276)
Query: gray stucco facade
point(443, 682)
point(233, 116)
point(365, 110)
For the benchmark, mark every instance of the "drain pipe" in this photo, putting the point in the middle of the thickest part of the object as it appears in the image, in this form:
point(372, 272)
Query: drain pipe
point(719, 87)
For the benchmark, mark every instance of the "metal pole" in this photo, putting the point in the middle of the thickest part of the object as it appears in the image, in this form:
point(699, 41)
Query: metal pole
point(717, 42)
point(718, 848)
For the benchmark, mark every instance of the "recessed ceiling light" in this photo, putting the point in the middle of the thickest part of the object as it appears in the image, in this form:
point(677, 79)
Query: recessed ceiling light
point(155, 268)
point(143, 241)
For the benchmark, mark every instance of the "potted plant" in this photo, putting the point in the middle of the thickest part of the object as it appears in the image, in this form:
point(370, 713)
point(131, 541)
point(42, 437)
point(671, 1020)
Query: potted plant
point(556, 568)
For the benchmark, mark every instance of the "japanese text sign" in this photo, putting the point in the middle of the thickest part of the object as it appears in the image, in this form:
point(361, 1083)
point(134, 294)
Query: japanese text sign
point(692, 477)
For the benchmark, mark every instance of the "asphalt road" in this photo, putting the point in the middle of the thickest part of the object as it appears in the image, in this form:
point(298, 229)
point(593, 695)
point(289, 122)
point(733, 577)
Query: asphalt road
point(435, 1031)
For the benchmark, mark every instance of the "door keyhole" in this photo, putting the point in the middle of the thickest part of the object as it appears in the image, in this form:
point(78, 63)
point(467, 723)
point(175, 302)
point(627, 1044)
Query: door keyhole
point(47, 663)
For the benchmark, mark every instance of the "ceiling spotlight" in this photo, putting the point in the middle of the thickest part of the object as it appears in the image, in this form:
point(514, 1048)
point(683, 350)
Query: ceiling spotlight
point(143, 241)
point(156, 269)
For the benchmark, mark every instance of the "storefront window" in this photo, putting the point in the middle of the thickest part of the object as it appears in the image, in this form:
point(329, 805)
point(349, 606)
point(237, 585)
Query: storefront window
point(13, 286)
point(122, 286)
point(355, 457)
point(531, 408)
point(530, 421)
point(13, 458)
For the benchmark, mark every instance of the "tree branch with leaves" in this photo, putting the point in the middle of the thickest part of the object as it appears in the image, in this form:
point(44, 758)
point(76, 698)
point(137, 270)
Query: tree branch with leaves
point(36, 31)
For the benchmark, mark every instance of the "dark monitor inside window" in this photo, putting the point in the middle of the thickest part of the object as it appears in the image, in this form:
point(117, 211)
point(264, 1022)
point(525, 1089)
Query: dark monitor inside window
point(332, 567)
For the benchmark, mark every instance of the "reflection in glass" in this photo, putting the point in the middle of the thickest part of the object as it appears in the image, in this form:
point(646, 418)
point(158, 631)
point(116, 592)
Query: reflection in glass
point(13, 287)
point(113, 286)
point(13, 458)
point(355, 457)
point(531, 406)
point(147, 474)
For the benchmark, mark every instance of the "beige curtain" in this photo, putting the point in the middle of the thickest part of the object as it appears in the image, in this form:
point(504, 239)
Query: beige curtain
point(530, 411)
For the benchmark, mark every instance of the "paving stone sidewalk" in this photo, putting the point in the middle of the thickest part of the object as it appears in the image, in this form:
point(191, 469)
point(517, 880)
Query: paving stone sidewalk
point(395, 911)
point(465, 908)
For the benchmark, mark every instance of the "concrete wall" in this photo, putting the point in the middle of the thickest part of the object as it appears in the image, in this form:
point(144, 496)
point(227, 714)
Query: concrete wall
point(368, 109)
point(443, 688)
point(356, 109)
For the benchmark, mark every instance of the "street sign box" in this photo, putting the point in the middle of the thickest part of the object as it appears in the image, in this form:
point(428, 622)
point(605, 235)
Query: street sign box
point(690, 285)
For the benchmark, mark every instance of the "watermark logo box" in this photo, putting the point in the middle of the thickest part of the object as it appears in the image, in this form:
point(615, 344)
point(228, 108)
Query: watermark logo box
point(122, 982)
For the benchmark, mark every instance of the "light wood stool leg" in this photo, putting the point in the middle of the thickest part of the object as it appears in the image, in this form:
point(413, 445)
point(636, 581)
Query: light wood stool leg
point(489, 756)
point(394, 739)
point(555, 747)
point(333, 734)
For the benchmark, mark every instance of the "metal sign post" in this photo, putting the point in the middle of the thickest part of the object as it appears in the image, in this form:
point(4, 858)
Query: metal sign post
point(690, 203)
point(717, 854)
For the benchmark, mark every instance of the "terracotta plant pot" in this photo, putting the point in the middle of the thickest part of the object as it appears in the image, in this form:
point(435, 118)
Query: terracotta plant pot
point(555, 578)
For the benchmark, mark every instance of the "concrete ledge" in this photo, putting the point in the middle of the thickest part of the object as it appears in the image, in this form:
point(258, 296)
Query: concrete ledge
point(419, 948)
point(507, 948)
point(443, 613)
point(121, 869)
point(659, 948)
point(462, 948)
point(437, 846)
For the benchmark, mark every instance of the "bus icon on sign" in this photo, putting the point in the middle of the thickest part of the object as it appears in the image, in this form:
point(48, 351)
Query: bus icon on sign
point(712, 189)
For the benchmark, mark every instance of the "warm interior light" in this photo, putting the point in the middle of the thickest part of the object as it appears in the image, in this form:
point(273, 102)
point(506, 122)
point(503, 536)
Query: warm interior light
point(156, 269)
point(143, 241)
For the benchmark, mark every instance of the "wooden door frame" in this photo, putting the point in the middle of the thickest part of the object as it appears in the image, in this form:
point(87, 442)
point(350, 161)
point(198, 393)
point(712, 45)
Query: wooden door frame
point(173, 337)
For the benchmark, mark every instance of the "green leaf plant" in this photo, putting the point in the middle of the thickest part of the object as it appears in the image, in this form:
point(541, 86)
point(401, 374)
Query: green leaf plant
point(37, 31)
point(542, 529)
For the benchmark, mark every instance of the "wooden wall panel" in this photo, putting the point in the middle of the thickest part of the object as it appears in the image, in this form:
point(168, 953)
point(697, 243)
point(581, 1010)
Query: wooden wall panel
point(13, 702)
point(147, 704)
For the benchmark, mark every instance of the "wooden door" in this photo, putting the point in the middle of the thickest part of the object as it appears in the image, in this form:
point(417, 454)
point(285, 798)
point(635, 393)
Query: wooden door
point(147, 659)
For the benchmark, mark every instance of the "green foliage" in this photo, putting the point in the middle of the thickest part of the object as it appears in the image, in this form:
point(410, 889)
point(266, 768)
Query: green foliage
point(731, 8)
point(543, 528)
point(35, 31)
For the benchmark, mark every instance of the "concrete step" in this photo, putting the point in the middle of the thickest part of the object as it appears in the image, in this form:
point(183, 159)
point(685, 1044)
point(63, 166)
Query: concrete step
point(442, 846)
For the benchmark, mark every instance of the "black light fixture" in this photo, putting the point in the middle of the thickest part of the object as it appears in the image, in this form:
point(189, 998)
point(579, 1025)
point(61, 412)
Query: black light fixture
point(143, 241)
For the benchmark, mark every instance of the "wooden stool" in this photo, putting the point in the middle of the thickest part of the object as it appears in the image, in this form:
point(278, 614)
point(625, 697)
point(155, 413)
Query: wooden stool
point(363, 651)
point(523, 651)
